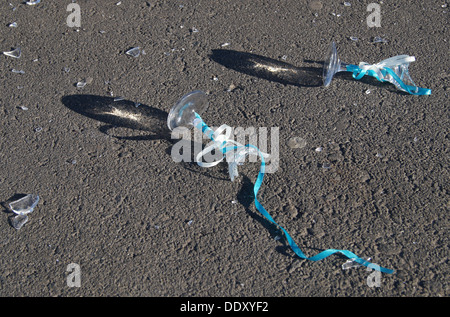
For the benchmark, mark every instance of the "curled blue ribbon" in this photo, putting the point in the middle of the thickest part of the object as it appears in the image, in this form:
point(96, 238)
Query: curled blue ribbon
point(205, 129)
point(291, 242)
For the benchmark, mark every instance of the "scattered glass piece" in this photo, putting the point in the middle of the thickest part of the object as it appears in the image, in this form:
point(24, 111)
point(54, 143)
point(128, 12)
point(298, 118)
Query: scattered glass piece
point(24, 205)
point(379, 155)
point(234, 202)
point(23, 108)
point(38, 129)
point(194, 30)
point(284, 57)
point(31, 3)
point(135, 52)
point(353, 38)
point(231, 87)
point(81, 84)
point(351, 263)
point(347, 4)
point(14, 53)
point(326, 166)
point(225, 44)
point(297, 143)
point(367, 91)
point(16, 71)
point(319, 149)
point(118, 98)
point(66, 69)
point(13, 25)
point(190, 222)
point(18, 221)
point(378, 39)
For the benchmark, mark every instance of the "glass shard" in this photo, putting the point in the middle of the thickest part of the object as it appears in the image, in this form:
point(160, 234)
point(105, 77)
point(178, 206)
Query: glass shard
point(24, 205)
point(18, 221)
point(378, 39)
point(13, 25)
point(351, 263)
point(297, 143)
point(14, 53)
point(135, 52)
point(33, 2)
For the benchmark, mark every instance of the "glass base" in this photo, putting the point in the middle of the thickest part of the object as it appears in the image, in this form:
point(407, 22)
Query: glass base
point(183, 112)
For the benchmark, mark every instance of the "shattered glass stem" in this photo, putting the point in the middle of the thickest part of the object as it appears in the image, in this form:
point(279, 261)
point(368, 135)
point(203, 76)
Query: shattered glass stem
point(343, 67)
point(202, 126)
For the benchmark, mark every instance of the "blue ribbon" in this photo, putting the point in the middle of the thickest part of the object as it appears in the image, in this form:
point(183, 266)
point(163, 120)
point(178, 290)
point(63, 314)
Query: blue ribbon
point(322, 255)
point(359, 73)
point(292, 244)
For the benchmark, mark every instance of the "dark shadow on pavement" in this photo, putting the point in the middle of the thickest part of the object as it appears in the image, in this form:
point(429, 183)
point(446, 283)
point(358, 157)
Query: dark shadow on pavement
point(121, 113)
point(268, 68)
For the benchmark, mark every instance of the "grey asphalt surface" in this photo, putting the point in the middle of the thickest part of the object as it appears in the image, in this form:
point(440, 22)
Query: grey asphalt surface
point(114, 202)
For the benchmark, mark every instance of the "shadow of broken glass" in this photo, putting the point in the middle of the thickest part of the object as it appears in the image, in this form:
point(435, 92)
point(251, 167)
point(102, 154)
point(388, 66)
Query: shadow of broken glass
point(121, 113)
point(268, 68)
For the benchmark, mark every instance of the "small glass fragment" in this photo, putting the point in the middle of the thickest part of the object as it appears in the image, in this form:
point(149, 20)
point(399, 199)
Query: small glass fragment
point(118, 98)
point(33, 2)
point(24, 205)
point(18, 221)
point(23, 108)
point(194, 30)
point(135, 51)
point(347, 4)
point(297, 143)
point(319, 149)
point(378, 39)
point(16, 71)
point(38, 129)
point(225, 44)
point(81, 84)
point(326, 166)
point(14, 53)
point(231, 87)
point(351, 263)
point(13, 25)
point(353, 38)
point(367, 91)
